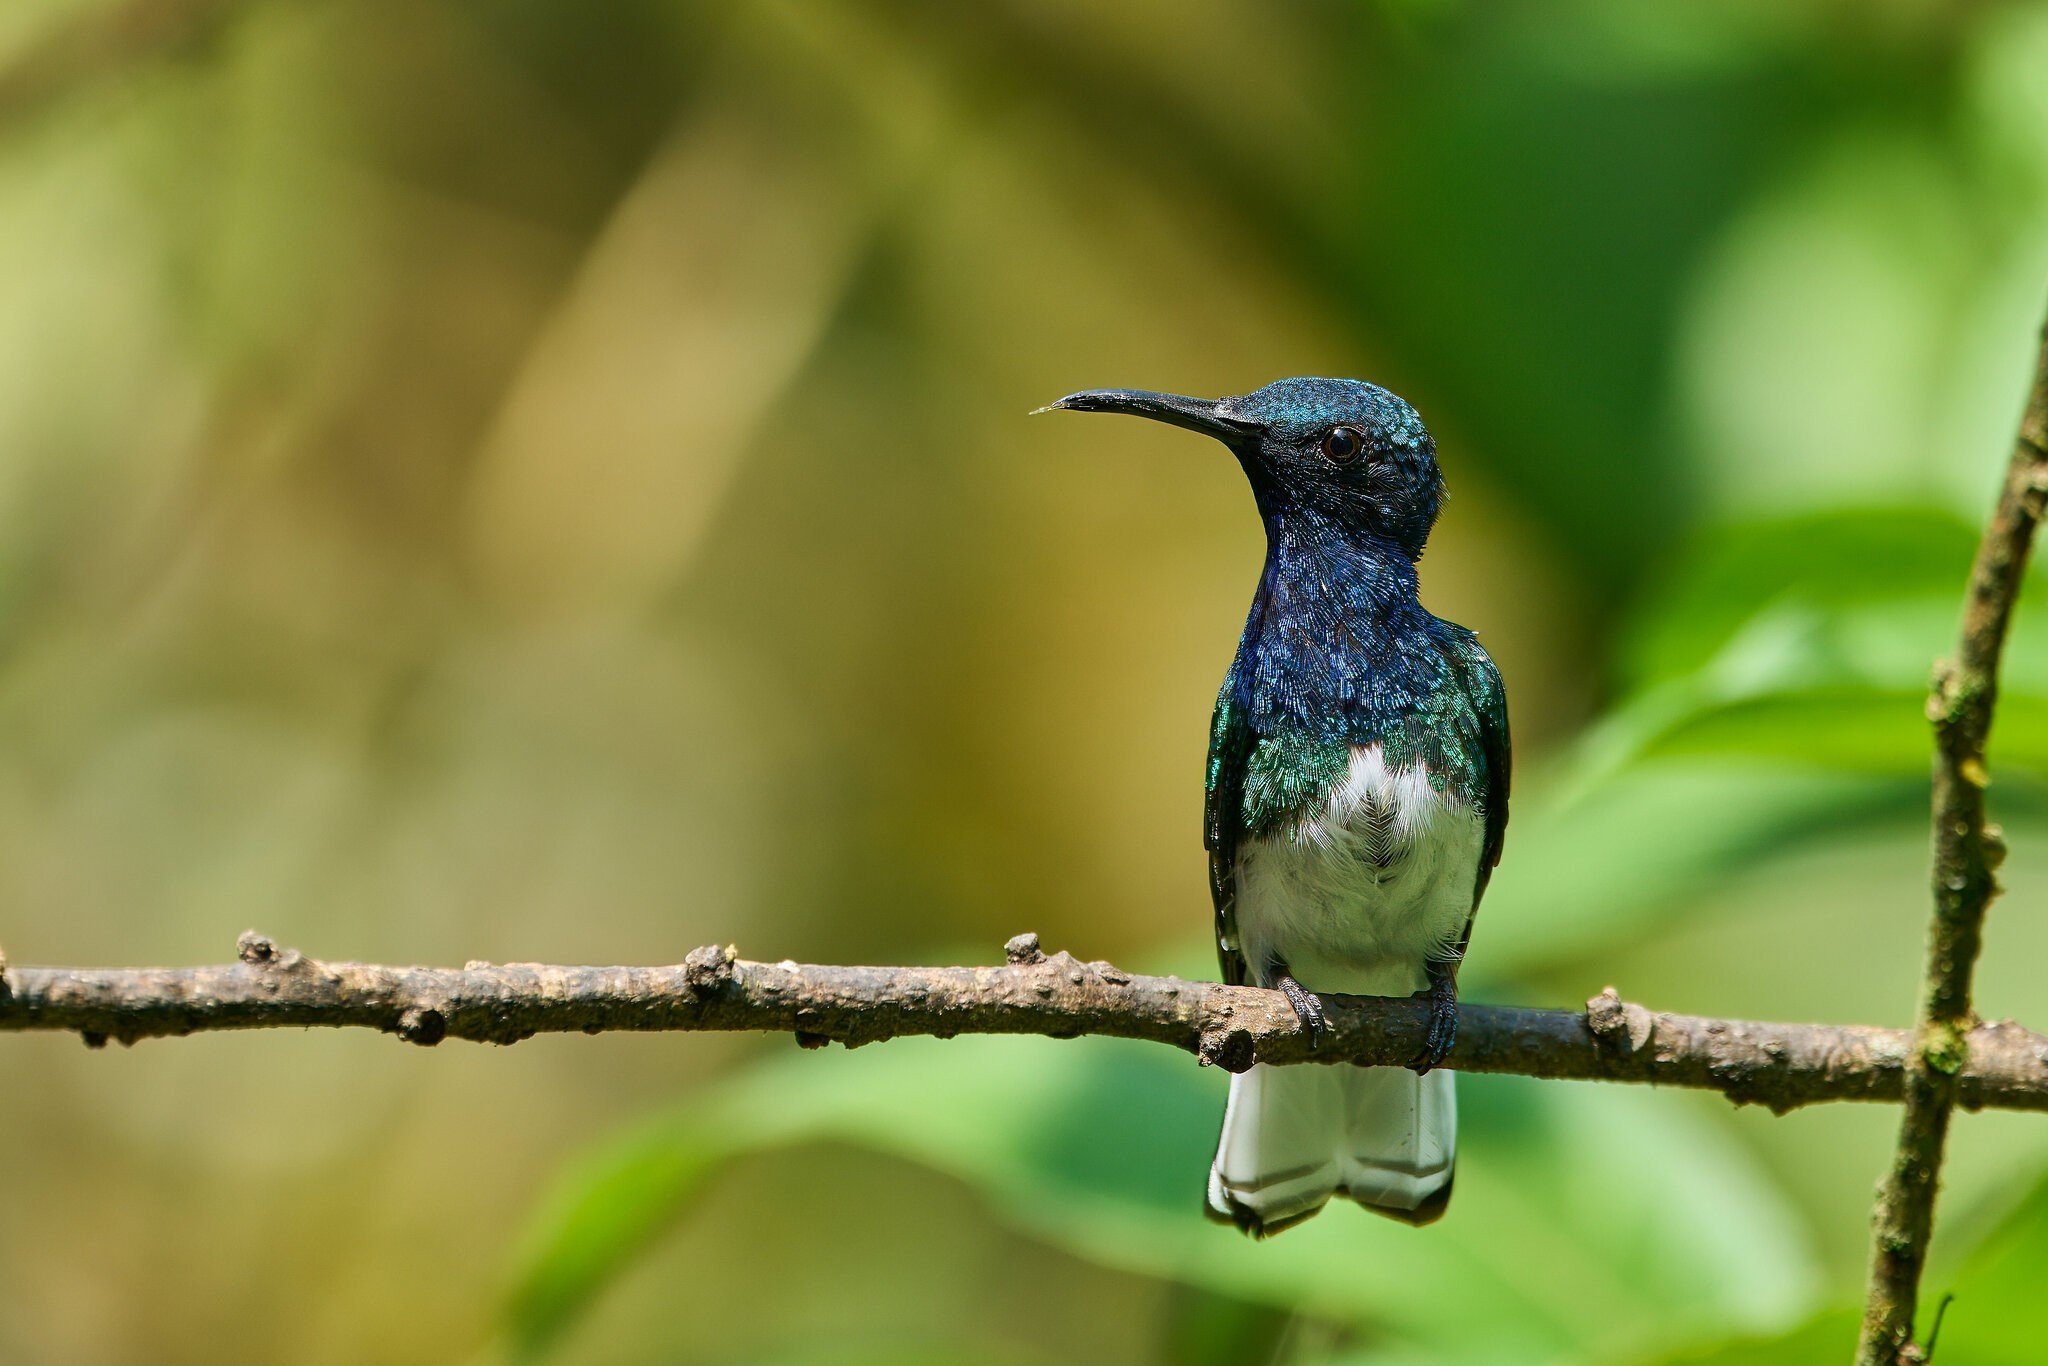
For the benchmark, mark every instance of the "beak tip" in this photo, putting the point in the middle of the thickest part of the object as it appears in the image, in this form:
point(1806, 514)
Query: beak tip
point(1197, 414)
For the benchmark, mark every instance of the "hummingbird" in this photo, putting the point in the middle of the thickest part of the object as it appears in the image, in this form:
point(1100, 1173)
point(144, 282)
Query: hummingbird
point(1357, 794)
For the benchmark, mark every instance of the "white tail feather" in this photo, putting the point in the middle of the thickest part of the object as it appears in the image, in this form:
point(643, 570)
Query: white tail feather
point(1294, 1136)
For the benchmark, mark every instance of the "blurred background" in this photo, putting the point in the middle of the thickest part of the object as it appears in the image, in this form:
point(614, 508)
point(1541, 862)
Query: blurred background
point(515, 480)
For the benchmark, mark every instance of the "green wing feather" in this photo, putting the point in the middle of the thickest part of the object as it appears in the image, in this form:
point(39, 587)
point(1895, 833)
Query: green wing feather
point(1490, 700)
point(1230, 746)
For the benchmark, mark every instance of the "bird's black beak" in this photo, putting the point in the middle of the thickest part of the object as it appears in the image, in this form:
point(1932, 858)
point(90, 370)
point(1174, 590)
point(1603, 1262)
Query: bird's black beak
point(1210, 415)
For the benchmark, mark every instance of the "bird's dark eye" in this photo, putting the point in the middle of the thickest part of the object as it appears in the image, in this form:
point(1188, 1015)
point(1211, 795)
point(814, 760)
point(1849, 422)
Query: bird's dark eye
point(1342, 445)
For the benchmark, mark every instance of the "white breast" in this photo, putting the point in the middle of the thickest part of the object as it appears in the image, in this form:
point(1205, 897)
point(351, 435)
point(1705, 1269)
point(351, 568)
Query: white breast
point(1361, 895)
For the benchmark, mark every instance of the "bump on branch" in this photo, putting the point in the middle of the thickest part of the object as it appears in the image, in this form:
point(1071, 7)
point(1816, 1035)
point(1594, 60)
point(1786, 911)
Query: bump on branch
point(1780, 1066)
point(1967, 853)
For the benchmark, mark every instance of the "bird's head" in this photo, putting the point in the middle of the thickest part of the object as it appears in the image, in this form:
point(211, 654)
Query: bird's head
point(1347, 454)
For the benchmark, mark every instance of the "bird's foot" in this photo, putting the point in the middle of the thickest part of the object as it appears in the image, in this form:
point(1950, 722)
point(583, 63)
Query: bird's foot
point(1442, 995)
point(1307, 1008)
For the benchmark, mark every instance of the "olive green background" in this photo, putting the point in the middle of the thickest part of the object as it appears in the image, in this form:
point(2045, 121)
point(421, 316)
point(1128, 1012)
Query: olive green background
point(517, 480)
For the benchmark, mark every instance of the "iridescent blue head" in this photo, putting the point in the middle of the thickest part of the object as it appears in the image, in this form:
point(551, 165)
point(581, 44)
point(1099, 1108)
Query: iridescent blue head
point(1343, 454)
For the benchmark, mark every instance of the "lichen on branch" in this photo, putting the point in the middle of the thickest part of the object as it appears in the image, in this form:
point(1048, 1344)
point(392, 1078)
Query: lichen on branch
point(1967, 852)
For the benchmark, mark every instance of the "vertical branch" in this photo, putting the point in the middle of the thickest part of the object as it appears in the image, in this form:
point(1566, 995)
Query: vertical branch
point(1967, 851)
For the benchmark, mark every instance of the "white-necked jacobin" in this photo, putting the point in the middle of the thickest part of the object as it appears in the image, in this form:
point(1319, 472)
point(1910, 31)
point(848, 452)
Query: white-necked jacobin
point(1357, 793)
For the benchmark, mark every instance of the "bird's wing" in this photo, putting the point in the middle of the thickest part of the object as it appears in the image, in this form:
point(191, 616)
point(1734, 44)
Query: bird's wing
point(1490, 701)
point(1230, 745)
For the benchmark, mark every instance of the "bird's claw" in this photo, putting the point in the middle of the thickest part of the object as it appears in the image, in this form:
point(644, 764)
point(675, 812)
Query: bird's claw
point(1307, 1009)
point(1442, 995)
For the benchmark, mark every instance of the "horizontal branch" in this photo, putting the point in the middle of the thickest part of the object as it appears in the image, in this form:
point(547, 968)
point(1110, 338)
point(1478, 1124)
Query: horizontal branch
point(1782, 1066)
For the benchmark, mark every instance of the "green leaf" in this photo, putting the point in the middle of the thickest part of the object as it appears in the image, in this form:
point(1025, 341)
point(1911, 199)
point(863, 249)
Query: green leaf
point(1589, 1219)
point(1779, 681)
point(604, 1210)
point(1811, 639)
point(1998, 1316)
point(1619, 856)
point(1824, 561)
point(1826, 1337)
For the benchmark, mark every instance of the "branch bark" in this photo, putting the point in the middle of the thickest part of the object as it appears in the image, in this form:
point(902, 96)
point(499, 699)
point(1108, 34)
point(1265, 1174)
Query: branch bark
point(1967, 852)
point(1782, 1066)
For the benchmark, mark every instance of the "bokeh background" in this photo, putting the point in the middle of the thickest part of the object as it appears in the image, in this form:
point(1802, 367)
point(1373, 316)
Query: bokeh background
point(516, 480)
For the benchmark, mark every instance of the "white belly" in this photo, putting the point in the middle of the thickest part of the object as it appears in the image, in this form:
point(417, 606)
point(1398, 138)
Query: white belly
point(1361, 896)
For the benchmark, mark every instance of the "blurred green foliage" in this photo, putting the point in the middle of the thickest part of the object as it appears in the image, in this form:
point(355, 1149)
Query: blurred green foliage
point(1613, 1221)
point(505, 479)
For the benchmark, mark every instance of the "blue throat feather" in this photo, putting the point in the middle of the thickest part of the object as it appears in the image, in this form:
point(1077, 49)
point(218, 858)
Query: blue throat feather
point(1338, 651)
point(1357, 792)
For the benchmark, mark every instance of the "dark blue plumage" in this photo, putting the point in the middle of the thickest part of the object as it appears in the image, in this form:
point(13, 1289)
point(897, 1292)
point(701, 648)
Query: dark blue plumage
point(1357, 739)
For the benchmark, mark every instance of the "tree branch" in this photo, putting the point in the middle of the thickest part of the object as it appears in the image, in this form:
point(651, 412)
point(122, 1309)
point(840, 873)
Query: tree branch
point(1967, 852)
point(1782, 1066)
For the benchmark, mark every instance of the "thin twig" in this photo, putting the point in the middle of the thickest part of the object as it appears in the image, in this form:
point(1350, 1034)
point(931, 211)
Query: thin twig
point(1782, 1066)
point(1967, 852)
